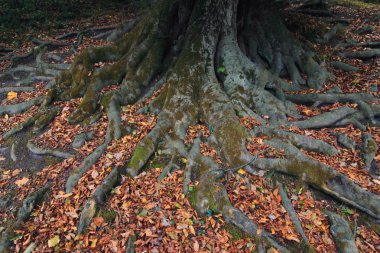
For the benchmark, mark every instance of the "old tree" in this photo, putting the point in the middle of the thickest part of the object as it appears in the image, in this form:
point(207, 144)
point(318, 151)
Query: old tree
point(212, 61)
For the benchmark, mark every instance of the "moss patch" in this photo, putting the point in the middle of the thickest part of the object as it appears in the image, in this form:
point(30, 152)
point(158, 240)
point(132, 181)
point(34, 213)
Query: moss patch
point(108, 215)
point(235, 232)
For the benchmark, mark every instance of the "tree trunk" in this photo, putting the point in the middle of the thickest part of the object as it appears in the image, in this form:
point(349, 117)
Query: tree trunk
point(215, 60)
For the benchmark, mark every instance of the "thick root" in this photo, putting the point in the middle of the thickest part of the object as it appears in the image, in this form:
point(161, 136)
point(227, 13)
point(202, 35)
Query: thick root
point(113, 132)
point(297, 140)
point(45, 151)
point(146, 148)
point(327, 119)
point(341, 232)
point(23, 214)
point(21, 107)
point(369, 152)
point(327, 180)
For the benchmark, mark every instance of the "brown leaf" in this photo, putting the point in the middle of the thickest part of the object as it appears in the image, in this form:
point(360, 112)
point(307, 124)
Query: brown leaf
point(11, 95)
point(21, 181)
point(98, 221)
point(196, 246)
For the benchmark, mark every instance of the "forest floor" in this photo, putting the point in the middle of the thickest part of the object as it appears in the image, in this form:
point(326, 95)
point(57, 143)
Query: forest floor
point(157, 211)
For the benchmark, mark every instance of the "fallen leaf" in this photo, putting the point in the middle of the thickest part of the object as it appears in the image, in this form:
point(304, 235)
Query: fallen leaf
point(148, 232)
point(93, 243)
point(149, 206)
point(94, 174)
point(21, 181)
point(307, 112)
point(15, 172)
point(192, 230)
point(196, 246)
point(53, 241)
point(11, 95)
point(98, 221)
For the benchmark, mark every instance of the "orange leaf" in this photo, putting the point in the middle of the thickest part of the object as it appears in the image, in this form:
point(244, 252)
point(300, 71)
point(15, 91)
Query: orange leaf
point(192, 230)
point(196, 246)
point(11, 95)
point(21, 181)
point(98, 221)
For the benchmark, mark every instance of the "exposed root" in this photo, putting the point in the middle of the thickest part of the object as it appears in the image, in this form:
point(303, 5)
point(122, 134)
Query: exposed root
point(24, 212)
point(297, 140)
point(16, 89)
point(98, 198)
point(361, 54)
point(184, 62)
point(326, 119)
point(47, 116)
point(45, 151)
point(168, 168)
point(369, 152)
point(341, 232)
point(330, 98)
point(323, 178)
point(344, 66)
point(210, 194)
point(146, 147)
point(22, 126)
point(293, 216)
point(21, 107)
point(113, 132)
point(345, 141)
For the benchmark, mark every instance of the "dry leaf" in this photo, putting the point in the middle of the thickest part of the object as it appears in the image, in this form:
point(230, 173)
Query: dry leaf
point(93, 243)
point(53, 241)
point(98, 221)
point(94, 174)
point(11, 95)
point(15, 172)
point(196, 246)
point(21, 181)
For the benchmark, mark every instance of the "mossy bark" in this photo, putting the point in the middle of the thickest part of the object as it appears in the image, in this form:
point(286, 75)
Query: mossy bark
point(214, 59)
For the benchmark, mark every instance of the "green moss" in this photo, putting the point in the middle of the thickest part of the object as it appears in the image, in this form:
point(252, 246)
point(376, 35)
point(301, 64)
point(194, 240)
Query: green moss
point(232, 145)
point(192, 197)
point(108, 215)
point(371, 146)
point(51, 160)
point(45, 119)
point(157, 164)
point(106, 99)
point(235, 232)
point(10, 140)
point(313, 172)
point(141, 155)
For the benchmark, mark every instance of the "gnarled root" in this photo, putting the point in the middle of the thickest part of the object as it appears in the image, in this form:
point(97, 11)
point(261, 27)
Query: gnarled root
point(341, 232)
point(24, 212)
point(207, 78)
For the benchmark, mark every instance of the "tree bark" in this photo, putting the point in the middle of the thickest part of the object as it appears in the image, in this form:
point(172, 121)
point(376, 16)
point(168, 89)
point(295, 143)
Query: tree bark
point(215, 59)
